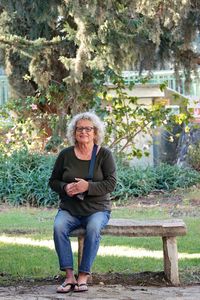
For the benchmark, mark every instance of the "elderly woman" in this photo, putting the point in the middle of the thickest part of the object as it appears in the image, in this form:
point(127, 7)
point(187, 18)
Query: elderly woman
point(82, 202)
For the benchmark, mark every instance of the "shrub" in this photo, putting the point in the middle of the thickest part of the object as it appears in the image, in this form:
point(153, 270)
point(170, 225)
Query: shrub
point(170, 177)
point(139, 181)
point(24, 179)
point(133, 181)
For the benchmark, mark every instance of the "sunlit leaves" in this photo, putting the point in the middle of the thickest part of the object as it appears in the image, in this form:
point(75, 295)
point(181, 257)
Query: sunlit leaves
point(127, 119)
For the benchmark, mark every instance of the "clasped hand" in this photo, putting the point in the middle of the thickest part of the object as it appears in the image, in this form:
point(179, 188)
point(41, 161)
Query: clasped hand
point(76, 187)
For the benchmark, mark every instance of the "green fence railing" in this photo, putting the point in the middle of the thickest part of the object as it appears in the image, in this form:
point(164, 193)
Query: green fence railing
point(158, 77)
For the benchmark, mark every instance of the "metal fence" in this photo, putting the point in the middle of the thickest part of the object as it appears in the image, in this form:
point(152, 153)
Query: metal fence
point(158, 77)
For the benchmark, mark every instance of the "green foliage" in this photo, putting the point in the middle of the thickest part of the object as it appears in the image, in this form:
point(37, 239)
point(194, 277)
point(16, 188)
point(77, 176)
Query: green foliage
point(139, 181)
point(58, 40)
point(17, 133)
point(53, 52)
point(133, 181)
point(193, 156)
point(40, 122)
point(171, 177)
point(24, 179)
point(127, 119)
point(36, 120)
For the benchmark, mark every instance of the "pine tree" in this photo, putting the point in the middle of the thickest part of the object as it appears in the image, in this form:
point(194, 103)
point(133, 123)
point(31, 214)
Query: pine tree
point(59, 51)
point(65, 41)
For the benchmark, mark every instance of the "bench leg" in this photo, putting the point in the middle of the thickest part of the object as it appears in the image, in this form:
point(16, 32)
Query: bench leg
point(171, 259)
point(80, 249)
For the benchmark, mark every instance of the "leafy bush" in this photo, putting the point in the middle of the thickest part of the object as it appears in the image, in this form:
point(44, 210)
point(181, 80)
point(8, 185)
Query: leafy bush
point(24, 179)
point(140, 181)
point(170, 177)
point(133, 181)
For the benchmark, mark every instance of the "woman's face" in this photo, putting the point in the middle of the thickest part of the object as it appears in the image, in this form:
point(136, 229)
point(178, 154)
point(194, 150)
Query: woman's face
point(84, 132)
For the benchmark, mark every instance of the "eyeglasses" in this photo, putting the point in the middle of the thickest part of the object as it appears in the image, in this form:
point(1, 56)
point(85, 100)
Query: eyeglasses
point(87, 129)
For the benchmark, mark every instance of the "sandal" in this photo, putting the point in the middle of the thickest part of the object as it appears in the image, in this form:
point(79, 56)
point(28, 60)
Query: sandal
point(79, 288)
point(65, 287)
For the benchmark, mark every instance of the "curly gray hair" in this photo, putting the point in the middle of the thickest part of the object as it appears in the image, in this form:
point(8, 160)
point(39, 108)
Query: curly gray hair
point(98, 127)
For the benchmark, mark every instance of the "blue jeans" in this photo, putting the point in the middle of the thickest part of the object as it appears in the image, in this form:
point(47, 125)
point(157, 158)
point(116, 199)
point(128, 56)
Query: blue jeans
point(65, 223)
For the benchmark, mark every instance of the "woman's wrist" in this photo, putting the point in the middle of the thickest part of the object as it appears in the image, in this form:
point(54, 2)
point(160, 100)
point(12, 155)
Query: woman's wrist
point(65, 188)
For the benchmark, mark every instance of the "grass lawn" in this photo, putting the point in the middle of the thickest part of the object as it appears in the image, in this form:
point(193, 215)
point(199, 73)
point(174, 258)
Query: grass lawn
point(27, 251)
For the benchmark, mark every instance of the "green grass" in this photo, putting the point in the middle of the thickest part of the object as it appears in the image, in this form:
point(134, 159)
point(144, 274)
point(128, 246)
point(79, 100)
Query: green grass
point(25, 261)
point(31, 222)
point(141, 213)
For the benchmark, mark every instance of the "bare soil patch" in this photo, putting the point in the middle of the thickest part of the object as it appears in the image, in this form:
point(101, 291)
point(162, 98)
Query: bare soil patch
point(178, 203)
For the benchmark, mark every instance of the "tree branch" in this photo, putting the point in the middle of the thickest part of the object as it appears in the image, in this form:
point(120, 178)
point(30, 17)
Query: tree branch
point(22, 43)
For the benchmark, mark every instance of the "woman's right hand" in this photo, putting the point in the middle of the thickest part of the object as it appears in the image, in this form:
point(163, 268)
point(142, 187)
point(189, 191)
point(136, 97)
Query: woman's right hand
point(71, 189)
point(68, 189)
point(75, 188)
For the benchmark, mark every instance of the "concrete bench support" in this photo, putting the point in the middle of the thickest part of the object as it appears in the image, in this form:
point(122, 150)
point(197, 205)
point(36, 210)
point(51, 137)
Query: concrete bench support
point(170, 254)
point(168, 230)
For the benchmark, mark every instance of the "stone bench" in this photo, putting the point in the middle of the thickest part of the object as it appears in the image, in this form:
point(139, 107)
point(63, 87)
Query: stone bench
point(167, 229)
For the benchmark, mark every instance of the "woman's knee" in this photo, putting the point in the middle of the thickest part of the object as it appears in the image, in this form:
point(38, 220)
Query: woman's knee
point(59, 227)
point(94, 228)
point(96, 224)
point(62, 222)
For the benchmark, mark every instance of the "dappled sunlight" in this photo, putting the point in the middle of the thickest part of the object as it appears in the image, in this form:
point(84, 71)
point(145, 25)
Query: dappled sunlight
point(121, 251)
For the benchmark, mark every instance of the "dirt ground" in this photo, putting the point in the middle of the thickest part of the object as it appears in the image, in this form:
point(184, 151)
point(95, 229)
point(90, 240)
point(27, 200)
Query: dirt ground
point(97, 292)
point(117, 286)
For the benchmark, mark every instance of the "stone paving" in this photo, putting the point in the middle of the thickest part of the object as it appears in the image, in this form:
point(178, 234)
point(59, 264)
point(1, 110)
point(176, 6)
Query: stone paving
point(97, 292)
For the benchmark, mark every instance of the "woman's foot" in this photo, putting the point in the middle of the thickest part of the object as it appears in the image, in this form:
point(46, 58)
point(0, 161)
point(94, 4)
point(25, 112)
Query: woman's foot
point(66, 287)
point(69, 283)
point(81, 285)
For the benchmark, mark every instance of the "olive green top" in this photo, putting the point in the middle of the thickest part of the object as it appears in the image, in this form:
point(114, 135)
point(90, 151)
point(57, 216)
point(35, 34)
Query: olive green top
point(68, 167)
